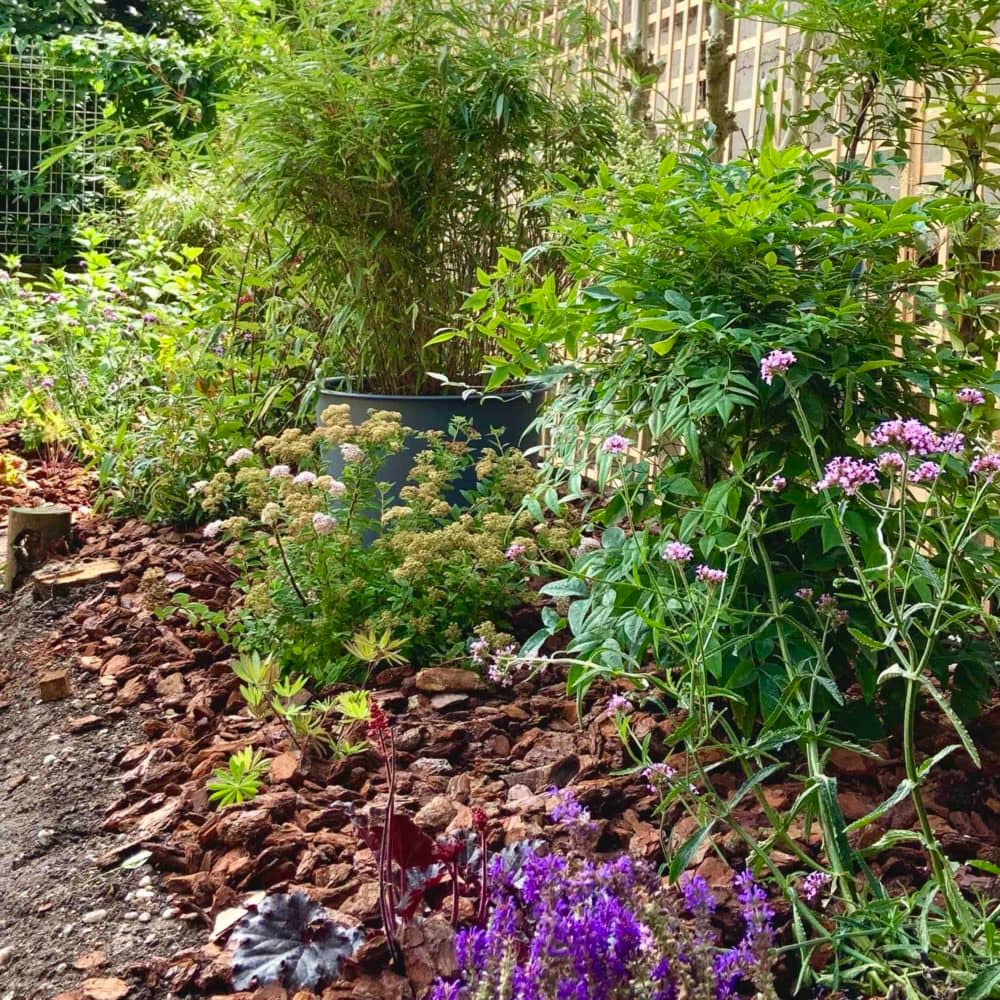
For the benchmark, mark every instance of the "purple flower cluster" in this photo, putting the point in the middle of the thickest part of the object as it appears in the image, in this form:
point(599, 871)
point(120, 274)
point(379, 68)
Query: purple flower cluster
point(986, 465)
point(566, 810)
point(678, 552)
point(705, 574)
point(916, 438)
point(813, 884)
point(776, 363)
point(970, 397)
point(850, 474)
point(615, 445)
point(562, 930)
point(619, 704)
point(925, 472)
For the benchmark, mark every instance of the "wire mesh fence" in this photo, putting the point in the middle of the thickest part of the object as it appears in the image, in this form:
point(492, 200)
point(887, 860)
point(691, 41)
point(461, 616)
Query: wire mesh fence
point(45, 108)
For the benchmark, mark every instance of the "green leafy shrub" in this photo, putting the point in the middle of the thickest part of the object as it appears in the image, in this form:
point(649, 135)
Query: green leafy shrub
point(149, 367)
point(680, 285)
point(329, 565)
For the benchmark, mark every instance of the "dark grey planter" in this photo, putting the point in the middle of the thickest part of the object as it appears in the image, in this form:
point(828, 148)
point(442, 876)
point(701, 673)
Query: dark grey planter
point(514, 410)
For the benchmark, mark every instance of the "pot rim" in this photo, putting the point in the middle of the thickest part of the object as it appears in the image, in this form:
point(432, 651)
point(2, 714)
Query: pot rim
point(524, 390)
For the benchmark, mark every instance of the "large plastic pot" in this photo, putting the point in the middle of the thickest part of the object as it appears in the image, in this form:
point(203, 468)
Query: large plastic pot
point(513, 409)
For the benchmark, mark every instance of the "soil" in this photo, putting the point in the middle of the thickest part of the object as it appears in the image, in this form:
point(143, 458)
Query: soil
point(56, 783)
point(167, 711)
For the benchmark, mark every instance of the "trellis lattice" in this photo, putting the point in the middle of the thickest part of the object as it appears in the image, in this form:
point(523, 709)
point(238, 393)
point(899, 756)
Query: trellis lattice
point(45, 107)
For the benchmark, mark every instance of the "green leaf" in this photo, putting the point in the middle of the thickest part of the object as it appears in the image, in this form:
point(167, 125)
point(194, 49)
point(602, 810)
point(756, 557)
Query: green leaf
point(985, 985)
point(680, 861)
point(864, 640)
point(570, 586)
point(904, 788)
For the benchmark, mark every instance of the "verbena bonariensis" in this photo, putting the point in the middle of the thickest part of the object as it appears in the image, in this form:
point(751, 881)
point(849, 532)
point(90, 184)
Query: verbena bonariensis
point(564, 929)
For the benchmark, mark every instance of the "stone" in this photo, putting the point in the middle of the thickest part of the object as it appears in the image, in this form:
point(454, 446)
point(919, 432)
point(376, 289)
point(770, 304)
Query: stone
point(104, 988)
point(171, 686)
point(84, 723)
point(449, 680)
point(536, 778)
point(448, 702)
point(6, 954)
point(436, 814)
point(54, 686)
point(284, 769)
point(94, 916)
point(90, 960)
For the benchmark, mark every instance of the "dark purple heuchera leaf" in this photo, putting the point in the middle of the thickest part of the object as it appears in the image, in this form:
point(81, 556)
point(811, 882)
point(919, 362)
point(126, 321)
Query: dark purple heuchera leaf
point(419, 881)
point(409, 847)
point(292, 941)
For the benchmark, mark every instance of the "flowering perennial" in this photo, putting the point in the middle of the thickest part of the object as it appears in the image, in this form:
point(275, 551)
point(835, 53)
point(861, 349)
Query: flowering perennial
point(678, 552)
point(705, 574)
point(970, 397)
point(916, 438)
point(850, 474)
point(776, 363)
point(615, 445)
point(559, 929)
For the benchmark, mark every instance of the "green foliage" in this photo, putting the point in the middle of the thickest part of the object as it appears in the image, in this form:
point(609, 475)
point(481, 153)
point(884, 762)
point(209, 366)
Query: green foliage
point(240, 780)
point(680, 283)
point(310, 725)
point(400, 145)
point(342, 573)
point(884, 63)
point(149, 367)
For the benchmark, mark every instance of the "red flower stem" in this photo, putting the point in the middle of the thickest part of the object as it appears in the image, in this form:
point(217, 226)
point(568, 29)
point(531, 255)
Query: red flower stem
point(481, 915)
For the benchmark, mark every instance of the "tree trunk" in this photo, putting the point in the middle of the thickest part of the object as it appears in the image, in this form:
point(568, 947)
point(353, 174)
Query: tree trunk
point(33, 534)
point(717, 61)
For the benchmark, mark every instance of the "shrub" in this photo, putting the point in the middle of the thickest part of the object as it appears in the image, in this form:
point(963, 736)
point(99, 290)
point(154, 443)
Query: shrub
point(325, 560)
point(148, 367)
point(402, 144)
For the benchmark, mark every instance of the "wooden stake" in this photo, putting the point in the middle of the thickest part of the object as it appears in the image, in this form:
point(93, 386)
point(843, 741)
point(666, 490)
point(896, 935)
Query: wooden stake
point(32, 536)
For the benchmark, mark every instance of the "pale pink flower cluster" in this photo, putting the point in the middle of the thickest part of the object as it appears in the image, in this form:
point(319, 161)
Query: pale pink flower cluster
point(305, 478)
point(238, 456)
point(986, 465)
point(280, 472)
point(619, 704)
point(916, 438)
point(776, 363)
point(322, 523)
point(678, 552)
point(337, 488)
point(514, 551)
point(848, 473)
point(351, 452)
point(705, 574)
point(891, 461)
